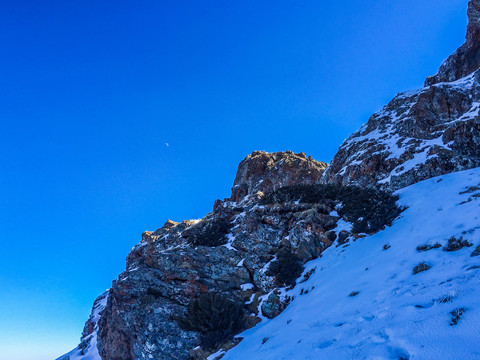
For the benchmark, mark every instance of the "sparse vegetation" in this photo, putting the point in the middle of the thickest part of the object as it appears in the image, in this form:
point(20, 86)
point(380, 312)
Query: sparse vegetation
point(455, 244)
point(456, 315)
point(444, 299)
point(286, 268)
point(369, 210)
point(470, 190)
point(211, 234)
point(215, 317)
point(421, 267)
point(426, 247)
point(307, 275)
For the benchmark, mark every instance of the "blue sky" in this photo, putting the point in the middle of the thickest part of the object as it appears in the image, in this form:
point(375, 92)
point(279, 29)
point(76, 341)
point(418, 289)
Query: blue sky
point(92, 92)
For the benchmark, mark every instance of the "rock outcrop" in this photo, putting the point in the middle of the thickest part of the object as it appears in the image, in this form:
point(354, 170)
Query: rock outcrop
point(165, 271)
point(418, 135)
point(423, 133)
point(264, 172)
point(466, 59)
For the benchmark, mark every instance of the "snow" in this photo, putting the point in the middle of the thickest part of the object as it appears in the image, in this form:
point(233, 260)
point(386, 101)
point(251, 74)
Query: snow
point(230, 239)
point(91, 351)
point(247, 286)
point(240, 263)
point(216, 355)
point(364, 302)
point(470, 114)
point(251, 300)
point(343, 225)
point(395, 314)
point(419, 157)
point(462, 83)
point(333, 213)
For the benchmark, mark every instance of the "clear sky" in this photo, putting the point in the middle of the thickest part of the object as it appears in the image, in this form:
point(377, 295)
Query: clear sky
point(118, 115)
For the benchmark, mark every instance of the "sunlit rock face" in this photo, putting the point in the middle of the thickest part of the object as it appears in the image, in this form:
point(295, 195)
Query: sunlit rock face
point(264, 172)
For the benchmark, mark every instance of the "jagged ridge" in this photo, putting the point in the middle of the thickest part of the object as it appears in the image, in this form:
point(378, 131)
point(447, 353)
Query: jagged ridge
point(418, 135)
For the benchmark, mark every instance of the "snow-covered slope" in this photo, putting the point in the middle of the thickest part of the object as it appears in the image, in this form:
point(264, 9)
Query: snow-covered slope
point(396, 314)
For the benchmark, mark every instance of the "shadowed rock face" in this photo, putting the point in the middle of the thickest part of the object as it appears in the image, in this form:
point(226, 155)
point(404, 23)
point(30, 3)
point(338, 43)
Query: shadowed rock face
point(264, 172)
point(466, 59)
point(164, 272)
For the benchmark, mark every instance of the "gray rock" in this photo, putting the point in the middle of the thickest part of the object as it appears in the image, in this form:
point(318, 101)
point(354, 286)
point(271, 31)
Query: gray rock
point(273, 306)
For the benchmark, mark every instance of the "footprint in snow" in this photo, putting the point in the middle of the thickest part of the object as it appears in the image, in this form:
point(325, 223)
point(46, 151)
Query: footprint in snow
point(325, 344)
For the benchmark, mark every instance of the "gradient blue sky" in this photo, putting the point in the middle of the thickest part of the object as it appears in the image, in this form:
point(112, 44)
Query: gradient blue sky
point(92, 91)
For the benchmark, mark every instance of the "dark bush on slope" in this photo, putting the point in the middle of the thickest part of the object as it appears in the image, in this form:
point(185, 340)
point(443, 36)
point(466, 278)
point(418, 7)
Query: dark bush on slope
point(286, 268)
point(420, 268)
point(368, 209)
point(455, 244)
point(212, 234)
point(456, 315)
point(215, 317)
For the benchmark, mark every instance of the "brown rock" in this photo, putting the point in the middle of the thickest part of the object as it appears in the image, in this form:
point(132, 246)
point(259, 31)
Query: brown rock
point(264, 172)
point(418, 135)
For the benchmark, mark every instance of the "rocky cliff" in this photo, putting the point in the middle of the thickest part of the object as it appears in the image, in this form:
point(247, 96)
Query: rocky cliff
point(168, 268)
point(422, 133)
point(286, 203)
point(418, 135)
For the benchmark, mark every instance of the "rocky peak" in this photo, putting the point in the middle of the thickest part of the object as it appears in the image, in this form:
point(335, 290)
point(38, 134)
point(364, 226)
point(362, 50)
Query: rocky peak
point(418, 135)
point(466, 59)
point(264, 172)
point(423, 133)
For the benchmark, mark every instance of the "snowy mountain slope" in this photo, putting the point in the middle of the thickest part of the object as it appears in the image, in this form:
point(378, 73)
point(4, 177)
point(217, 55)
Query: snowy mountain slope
point(396, 314)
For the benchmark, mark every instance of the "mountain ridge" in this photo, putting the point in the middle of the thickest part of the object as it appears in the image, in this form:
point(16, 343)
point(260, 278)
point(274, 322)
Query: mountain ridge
point(419, 135)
